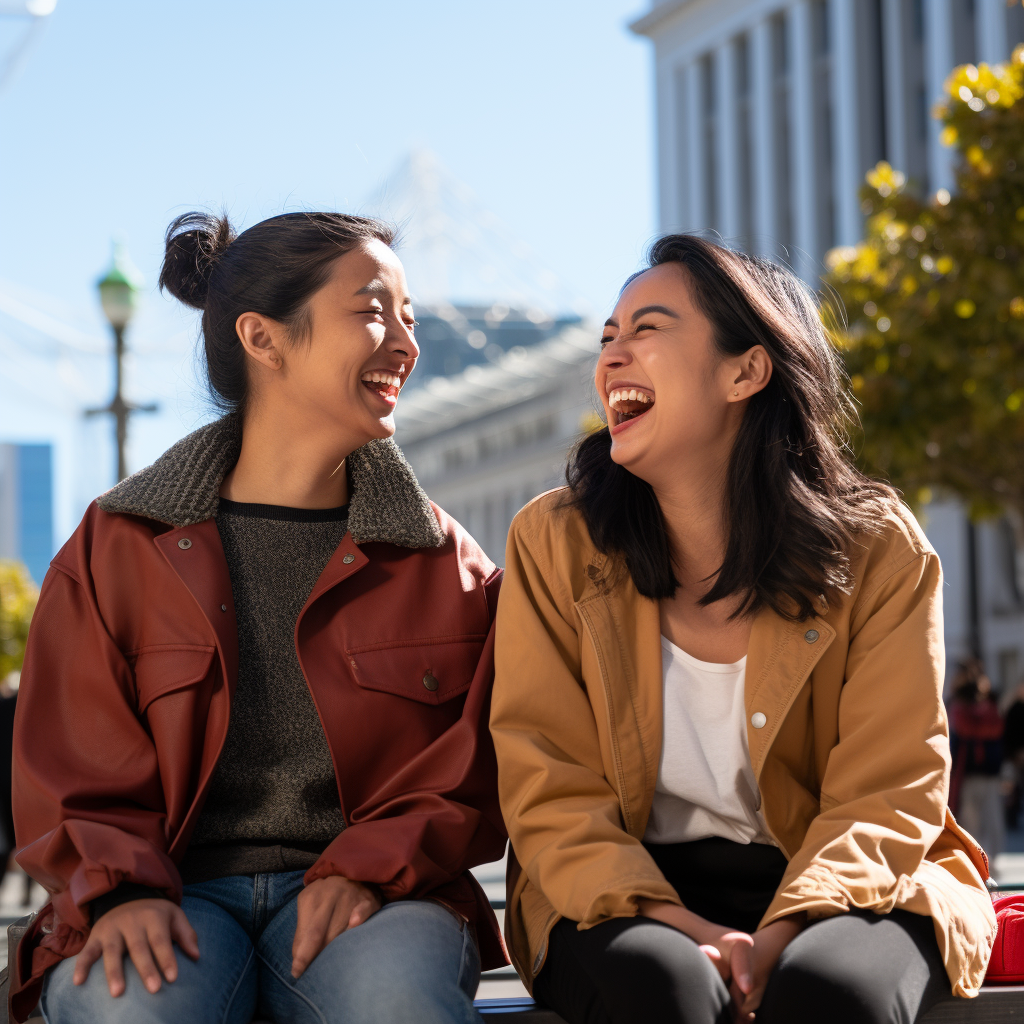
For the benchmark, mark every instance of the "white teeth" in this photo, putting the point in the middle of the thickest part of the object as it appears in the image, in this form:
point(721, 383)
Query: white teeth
point(376, 377)
point(628, 395)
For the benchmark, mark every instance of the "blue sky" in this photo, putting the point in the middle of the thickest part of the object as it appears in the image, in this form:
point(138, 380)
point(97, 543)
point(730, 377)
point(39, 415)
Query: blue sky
point(128, 112)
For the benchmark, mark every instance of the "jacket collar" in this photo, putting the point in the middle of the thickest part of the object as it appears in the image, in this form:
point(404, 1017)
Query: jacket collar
point(182, 488)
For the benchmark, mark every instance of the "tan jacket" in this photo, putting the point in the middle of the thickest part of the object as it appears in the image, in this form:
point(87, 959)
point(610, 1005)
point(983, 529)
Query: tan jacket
point(852, 763)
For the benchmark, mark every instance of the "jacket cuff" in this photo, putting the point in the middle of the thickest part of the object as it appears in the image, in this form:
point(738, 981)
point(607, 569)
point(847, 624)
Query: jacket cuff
point(624, 900)
point(124, 893)
point(812, 893)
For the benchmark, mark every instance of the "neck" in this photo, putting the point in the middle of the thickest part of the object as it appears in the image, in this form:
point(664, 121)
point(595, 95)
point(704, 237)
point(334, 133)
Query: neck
point(289, 460)
point(693, 505)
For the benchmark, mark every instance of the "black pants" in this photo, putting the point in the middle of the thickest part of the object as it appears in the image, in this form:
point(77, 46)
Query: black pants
point(858, 968)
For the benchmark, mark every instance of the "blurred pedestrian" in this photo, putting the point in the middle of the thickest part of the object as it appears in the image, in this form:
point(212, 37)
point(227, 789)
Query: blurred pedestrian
point(976, 747)
point(1013, 752)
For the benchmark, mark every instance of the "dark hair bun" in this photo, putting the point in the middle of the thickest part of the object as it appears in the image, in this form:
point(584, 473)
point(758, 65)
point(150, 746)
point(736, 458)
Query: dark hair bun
point(194, 242)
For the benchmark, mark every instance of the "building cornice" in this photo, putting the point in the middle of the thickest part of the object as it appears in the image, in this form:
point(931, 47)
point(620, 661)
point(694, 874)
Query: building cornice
point(649, 23)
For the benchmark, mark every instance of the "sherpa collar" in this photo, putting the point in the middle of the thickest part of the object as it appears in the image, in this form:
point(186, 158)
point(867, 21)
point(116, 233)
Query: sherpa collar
point(182, 488)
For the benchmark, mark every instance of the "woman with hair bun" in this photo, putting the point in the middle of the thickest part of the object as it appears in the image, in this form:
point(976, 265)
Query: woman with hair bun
point(722, 752)
point(252, 764)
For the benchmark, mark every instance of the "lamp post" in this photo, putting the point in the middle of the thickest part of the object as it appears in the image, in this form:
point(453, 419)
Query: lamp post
point(119, 290)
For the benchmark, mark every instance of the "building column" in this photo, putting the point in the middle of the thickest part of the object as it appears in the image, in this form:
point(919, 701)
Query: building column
point(803, 182)
point(670, 174)
point(727, 155)
point(846, 150)
point(938, 45)
point(675, 189)
point(700, 215)
point(894, 30)
point(990, 31)
point(762, 82)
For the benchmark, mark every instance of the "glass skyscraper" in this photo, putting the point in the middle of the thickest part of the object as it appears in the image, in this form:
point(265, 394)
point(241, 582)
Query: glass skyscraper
point(26, 505)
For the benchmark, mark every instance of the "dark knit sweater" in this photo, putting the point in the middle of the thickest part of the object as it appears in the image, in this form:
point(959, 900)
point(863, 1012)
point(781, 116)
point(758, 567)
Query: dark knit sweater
point(273, 799)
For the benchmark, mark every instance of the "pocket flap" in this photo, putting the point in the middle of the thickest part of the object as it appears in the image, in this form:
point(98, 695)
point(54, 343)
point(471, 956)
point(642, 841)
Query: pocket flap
point(161, 670)
point(428, 671)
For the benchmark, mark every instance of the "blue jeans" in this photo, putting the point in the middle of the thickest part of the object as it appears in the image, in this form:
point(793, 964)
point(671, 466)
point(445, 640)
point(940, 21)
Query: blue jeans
point(412, 961)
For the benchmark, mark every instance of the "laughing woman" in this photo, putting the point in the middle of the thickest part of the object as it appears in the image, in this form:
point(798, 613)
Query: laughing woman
point(252, 764)
point(722, 752)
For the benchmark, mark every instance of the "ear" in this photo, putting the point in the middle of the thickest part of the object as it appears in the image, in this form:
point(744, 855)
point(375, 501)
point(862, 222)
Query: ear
point(259, 337)
point(750, 373)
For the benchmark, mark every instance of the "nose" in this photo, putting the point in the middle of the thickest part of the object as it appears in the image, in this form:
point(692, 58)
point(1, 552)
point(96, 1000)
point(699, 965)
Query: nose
point(401, 341)
point(614, 356)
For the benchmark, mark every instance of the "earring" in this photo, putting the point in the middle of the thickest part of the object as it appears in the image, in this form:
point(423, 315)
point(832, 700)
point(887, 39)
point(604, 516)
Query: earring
point(735, 392)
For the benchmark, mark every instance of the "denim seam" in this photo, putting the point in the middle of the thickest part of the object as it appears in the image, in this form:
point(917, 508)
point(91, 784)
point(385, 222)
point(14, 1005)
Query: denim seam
point(234, 991)
point(291, 988)
point(462, 958)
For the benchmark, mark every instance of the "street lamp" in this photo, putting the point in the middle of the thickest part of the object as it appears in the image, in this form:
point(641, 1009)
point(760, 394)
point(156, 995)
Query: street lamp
point(119, 292)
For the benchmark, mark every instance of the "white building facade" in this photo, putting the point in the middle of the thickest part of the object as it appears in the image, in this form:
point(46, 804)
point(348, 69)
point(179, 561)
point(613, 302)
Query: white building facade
point(769, 113)
point(486, 441)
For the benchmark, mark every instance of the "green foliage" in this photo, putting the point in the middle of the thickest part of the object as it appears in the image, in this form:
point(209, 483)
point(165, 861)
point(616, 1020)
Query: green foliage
point(18, 597)
point(934, 298)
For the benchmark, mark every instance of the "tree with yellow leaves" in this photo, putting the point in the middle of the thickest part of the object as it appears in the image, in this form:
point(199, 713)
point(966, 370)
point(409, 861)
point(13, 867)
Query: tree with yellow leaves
point(18, 597)
point(934, 299)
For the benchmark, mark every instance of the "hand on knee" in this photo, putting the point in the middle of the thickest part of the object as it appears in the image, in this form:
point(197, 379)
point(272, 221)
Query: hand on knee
point(144, 929)
point(326, 908)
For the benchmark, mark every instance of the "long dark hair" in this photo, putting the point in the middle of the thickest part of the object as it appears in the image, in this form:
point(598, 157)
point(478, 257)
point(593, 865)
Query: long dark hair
point(272, 269)
point(794, 500)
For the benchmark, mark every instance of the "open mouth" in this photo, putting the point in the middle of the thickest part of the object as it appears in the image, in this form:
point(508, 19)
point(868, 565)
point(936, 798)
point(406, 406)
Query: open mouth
point(385, 384)
point(628, 404)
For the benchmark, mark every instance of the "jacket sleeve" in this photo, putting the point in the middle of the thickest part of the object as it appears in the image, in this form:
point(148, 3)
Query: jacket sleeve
point(88, 804)
point(436, 817)
point(563, 814)
point(883, 795)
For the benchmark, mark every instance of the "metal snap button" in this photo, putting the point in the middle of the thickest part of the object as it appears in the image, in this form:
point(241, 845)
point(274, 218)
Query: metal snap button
point(223, 607)
point(184, 543)
point(758, 720)
point(430, 682)
point(811, 635)
point(348, 559)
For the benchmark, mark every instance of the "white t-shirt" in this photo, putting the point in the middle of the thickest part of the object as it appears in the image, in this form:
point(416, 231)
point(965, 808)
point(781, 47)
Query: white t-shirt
point(706, 785)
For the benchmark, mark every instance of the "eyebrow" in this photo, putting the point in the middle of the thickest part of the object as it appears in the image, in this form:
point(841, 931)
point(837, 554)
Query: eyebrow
point(643, 311)
point(376, 287)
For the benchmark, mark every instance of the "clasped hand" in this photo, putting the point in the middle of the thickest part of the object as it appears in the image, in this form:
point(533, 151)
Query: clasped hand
point(744, 961)
point(146, 929)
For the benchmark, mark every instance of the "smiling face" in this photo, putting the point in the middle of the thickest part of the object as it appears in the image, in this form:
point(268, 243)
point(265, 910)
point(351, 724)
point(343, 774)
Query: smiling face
point(668, 394)
point(356, 355)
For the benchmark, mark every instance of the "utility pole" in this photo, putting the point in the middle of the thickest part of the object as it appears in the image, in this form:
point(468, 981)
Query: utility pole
point(119, 289)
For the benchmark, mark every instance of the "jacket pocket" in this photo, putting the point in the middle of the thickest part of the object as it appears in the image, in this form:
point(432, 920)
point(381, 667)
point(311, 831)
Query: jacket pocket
point(166, 669)
point(428, 671)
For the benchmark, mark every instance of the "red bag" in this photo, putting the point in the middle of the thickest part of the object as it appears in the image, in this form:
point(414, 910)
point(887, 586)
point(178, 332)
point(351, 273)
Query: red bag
point(1007, 963)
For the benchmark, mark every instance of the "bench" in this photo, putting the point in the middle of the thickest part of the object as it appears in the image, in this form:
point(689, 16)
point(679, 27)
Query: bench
point(997, 1004)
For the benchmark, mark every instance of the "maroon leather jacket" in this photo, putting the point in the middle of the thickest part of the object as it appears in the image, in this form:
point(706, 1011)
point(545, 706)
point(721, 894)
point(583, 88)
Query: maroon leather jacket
point(132, 662)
